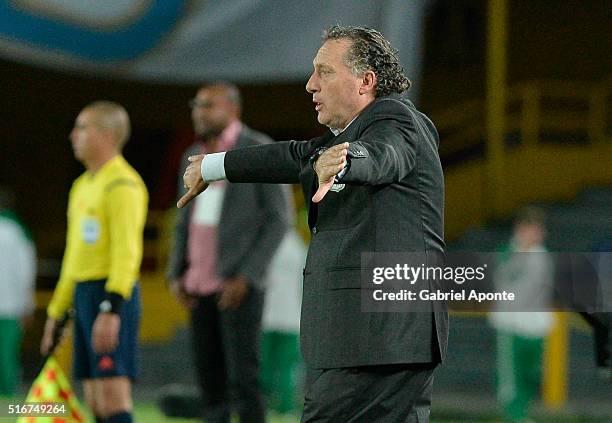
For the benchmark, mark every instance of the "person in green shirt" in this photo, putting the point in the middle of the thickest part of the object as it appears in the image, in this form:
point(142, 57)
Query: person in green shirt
point(17, 280)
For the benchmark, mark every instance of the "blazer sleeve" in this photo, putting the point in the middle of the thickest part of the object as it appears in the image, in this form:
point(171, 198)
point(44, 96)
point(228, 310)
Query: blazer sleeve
point(276, 163)
point(384, 153)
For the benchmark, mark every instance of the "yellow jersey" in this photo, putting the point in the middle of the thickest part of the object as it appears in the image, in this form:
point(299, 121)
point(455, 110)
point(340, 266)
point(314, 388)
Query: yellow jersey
point(106, 217)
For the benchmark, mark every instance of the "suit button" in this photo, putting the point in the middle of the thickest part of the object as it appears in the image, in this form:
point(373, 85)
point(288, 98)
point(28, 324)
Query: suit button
point(315, 230)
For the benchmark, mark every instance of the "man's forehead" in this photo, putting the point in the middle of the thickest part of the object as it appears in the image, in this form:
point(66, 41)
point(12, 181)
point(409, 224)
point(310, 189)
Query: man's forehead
point(211, 92)
point(331, 50)
point(87, 115)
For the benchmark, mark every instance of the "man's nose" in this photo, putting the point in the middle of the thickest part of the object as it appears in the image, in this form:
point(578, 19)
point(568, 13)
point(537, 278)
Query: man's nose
point(312, 85)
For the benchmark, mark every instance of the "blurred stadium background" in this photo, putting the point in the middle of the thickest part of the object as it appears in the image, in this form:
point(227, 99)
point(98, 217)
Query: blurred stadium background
point(520, 90)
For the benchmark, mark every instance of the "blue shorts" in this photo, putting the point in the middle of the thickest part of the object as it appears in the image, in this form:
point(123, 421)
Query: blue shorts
point(123, 360)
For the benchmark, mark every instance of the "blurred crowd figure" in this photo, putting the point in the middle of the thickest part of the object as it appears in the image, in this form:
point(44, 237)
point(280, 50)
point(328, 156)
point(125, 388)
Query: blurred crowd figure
point(223, 244)
point(107, 209)
point(527, 270)
point(17, 283)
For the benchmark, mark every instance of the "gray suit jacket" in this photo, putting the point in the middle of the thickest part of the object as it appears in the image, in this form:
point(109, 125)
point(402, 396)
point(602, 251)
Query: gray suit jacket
point(254, 219)
point(393, 201)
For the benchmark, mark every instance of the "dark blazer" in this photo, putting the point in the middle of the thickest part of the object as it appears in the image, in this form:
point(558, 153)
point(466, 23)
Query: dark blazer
point(393, 201)
point(254, 219)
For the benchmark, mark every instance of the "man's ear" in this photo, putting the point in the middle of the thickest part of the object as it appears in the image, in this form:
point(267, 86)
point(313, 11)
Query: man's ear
point(368, 83)
point(110, 138)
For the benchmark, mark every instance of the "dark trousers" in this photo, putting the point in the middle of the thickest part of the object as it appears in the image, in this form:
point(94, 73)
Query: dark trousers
point(398, 393)
point(602, 330)
point(227, 356)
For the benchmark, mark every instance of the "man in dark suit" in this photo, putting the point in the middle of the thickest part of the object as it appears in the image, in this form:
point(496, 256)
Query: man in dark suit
point(376, 185)
point(223, 244)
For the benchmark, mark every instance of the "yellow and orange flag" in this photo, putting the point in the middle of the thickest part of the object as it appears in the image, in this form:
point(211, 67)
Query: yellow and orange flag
point(52, 391)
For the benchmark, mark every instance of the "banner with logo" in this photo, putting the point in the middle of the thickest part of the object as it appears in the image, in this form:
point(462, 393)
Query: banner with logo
point(182, 41)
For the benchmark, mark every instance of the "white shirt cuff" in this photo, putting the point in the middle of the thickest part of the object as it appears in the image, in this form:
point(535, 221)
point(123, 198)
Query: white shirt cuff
point(341, 173)
point(213, 168)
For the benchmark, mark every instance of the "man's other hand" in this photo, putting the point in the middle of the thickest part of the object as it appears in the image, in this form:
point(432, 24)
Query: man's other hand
point(234, 291)
point(327, 166)
point(105, 335)
point(183, 298)
point(193, 181)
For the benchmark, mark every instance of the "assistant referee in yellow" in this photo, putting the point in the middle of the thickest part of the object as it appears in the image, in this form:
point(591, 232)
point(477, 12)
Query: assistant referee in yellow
point(107, 209)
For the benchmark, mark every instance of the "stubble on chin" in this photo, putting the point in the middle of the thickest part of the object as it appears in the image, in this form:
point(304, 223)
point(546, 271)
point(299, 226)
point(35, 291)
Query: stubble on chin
point(323, 120)
point(208, 133)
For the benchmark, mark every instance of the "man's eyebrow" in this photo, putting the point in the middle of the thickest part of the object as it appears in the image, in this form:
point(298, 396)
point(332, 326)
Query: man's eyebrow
point(321, 66)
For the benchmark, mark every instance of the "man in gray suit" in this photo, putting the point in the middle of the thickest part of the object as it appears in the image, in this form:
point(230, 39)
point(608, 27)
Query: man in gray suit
point(376, 185)
point(224, 242)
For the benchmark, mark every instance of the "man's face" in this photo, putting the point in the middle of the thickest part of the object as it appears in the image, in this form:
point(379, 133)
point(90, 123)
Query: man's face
point(212, 112)
point(530, 233)
point(334, 88)
point(87, 136)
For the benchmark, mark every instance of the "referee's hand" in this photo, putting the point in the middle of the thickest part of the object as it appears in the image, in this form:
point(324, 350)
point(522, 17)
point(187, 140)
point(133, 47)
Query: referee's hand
point(105, 335)
point(47, 338)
